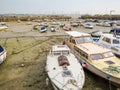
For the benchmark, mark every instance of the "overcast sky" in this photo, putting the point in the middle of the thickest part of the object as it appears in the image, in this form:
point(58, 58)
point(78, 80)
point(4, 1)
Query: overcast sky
point(60, 6)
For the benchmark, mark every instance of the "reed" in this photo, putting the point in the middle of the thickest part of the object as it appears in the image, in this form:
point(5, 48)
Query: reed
point(31, 18)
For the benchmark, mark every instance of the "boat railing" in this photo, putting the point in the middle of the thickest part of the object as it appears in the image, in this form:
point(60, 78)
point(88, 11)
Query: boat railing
point(80, 76)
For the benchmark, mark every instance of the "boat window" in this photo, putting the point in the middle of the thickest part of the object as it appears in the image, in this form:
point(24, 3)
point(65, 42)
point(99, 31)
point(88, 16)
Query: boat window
point(109, 62)
point(108, 54)
point(106, 40)
point(87, 39)
point(82, 53)
point(73, 41)
point(65, 52)
point(115, 41)
point(79, 40)
point(57, 53)
point(96, 56)
point(66, 73)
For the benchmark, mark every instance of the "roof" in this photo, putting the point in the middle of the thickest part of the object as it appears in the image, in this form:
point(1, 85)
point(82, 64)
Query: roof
point(87, 47)
point(60, 48)
point(77, 34)
point(111, 36)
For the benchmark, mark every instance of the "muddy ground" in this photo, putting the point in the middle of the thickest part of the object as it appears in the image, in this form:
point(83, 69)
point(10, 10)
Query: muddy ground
point(24, 68)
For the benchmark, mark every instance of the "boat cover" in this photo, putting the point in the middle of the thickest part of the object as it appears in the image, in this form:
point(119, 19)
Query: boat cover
point(63, 60)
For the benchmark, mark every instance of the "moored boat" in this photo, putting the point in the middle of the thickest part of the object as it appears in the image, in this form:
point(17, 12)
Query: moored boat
point(52, 28)
point(2, 54)
point(96, 58)
point(67, 28)
point(2, 27)
point(88, 25)
point(63, 69)
point(43, 29)
point(110, 41)
point(96, 33)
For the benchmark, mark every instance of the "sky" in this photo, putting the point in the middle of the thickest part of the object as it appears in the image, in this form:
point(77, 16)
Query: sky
point(59, 6)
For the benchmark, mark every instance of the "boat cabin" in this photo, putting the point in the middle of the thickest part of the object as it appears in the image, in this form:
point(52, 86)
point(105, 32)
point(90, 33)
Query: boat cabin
point(111, 42)
point(86, 52)
point(60, 50)
point(94, 57)
point(83, 45)
point(77, 38)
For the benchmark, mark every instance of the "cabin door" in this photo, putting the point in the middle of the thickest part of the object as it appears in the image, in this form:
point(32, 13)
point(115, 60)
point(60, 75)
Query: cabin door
point(71, 43)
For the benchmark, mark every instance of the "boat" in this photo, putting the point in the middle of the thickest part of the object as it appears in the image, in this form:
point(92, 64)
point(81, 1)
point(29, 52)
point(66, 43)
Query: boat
point(96, 33)
point(61, 25)
point(43, 29)
point(115, 31)
point(2, 54)
point(67, 28)
point(28, 23)
point(36, 27)
point(3, 27)
point(111, 42)
point(74, 24)
point(104, 24)
point(95, 58)
point(52, 28)
point(63, 69)
point(88, 25)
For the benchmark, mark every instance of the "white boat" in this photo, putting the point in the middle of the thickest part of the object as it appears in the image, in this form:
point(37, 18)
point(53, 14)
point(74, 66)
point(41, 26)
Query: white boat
point(96, 33)
point(87, 25)
point(64, 70)
point(2, 54)
point(111, 42)
point(2, 27)
point(36, 27)
point(96, 58)
point(43, 29)
point(74, 24)
point(104, 24)
point(52, 28)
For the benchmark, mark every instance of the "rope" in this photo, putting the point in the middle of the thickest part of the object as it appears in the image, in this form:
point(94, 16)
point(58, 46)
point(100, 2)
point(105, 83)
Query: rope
point(113, 69)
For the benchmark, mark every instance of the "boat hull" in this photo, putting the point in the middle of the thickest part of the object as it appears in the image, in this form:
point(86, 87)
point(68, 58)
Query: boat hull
point(4, 27)
point(2, 56)
point(114, 80)
point(53, 85)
